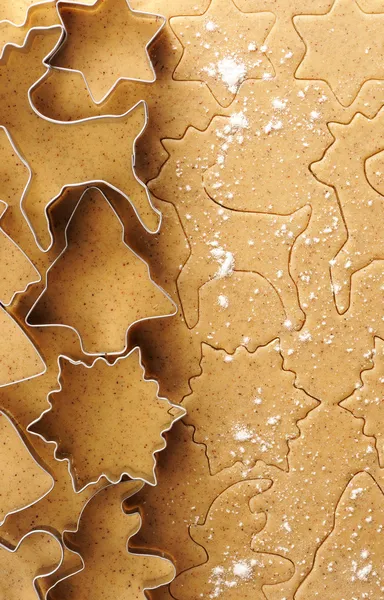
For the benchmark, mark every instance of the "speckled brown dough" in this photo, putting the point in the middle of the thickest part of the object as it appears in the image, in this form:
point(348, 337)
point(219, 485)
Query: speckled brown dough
point(264, 152)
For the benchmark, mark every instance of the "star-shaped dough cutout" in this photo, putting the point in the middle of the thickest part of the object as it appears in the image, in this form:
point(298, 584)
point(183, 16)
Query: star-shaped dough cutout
point(106, 42)
point(348, 66)
point(223, 47)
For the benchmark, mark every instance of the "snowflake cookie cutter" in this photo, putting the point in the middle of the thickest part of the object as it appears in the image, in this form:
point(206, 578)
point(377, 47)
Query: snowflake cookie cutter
point(132, 488)
point(41, 497)
point(77, 5)
point(135, 254)
point(180, 413)
point(86, 182)
point(45, 573)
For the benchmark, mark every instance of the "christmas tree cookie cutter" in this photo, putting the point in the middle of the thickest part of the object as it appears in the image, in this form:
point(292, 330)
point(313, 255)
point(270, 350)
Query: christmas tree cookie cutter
point(164, 294)
point(46, 130)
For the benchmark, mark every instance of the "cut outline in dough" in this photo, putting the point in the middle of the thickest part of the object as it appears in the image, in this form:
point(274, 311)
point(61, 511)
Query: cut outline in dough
point(305, 208)
point(349, 104)
point(324, 541)
point(224, 106)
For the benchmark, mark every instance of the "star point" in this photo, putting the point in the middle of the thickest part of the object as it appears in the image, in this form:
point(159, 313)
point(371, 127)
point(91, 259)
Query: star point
point(344, 48)
point(106, 42)
point(224, 47)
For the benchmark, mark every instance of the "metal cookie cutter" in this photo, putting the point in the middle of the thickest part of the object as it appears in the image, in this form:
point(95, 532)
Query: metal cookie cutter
point(6, 466)
point(93, 8)
point(100, 351)
point(8, 326)
point(48, 136)
point(7, 247)
point(15, 583)
point(146, 477)
point(115, 493)
point(22, 7)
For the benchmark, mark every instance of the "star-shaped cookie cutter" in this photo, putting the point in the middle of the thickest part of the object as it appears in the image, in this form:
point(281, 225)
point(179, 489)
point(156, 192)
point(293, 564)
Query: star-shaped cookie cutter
point(143, 14)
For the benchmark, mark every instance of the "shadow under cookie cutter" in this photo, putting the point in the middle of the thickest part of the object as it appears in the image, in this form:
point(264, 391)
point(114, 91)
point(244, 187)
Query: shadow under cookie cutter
point(145, 196)
point(144, 14)
point(163, 292)
point(136, 487)
point(18, 510)
point(45, 574)
point(182, 412)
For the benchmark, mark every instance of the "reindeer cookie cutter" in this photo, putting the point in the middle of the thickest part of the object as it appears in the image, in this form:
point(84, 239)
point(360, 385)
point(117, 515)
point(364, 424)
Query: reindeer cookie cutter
point(182, 412)
point(80, 6)
point(81, 182)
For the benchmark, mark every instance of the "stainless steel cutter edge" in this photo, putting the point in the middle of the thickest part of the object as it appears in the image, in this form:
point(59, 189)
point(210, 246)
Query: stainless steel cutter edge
point(93, 182)
point(12, 512)
point(101, 352)
point(144, 14)
point(54, 570)
point(134, 491)
point(104, 475)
